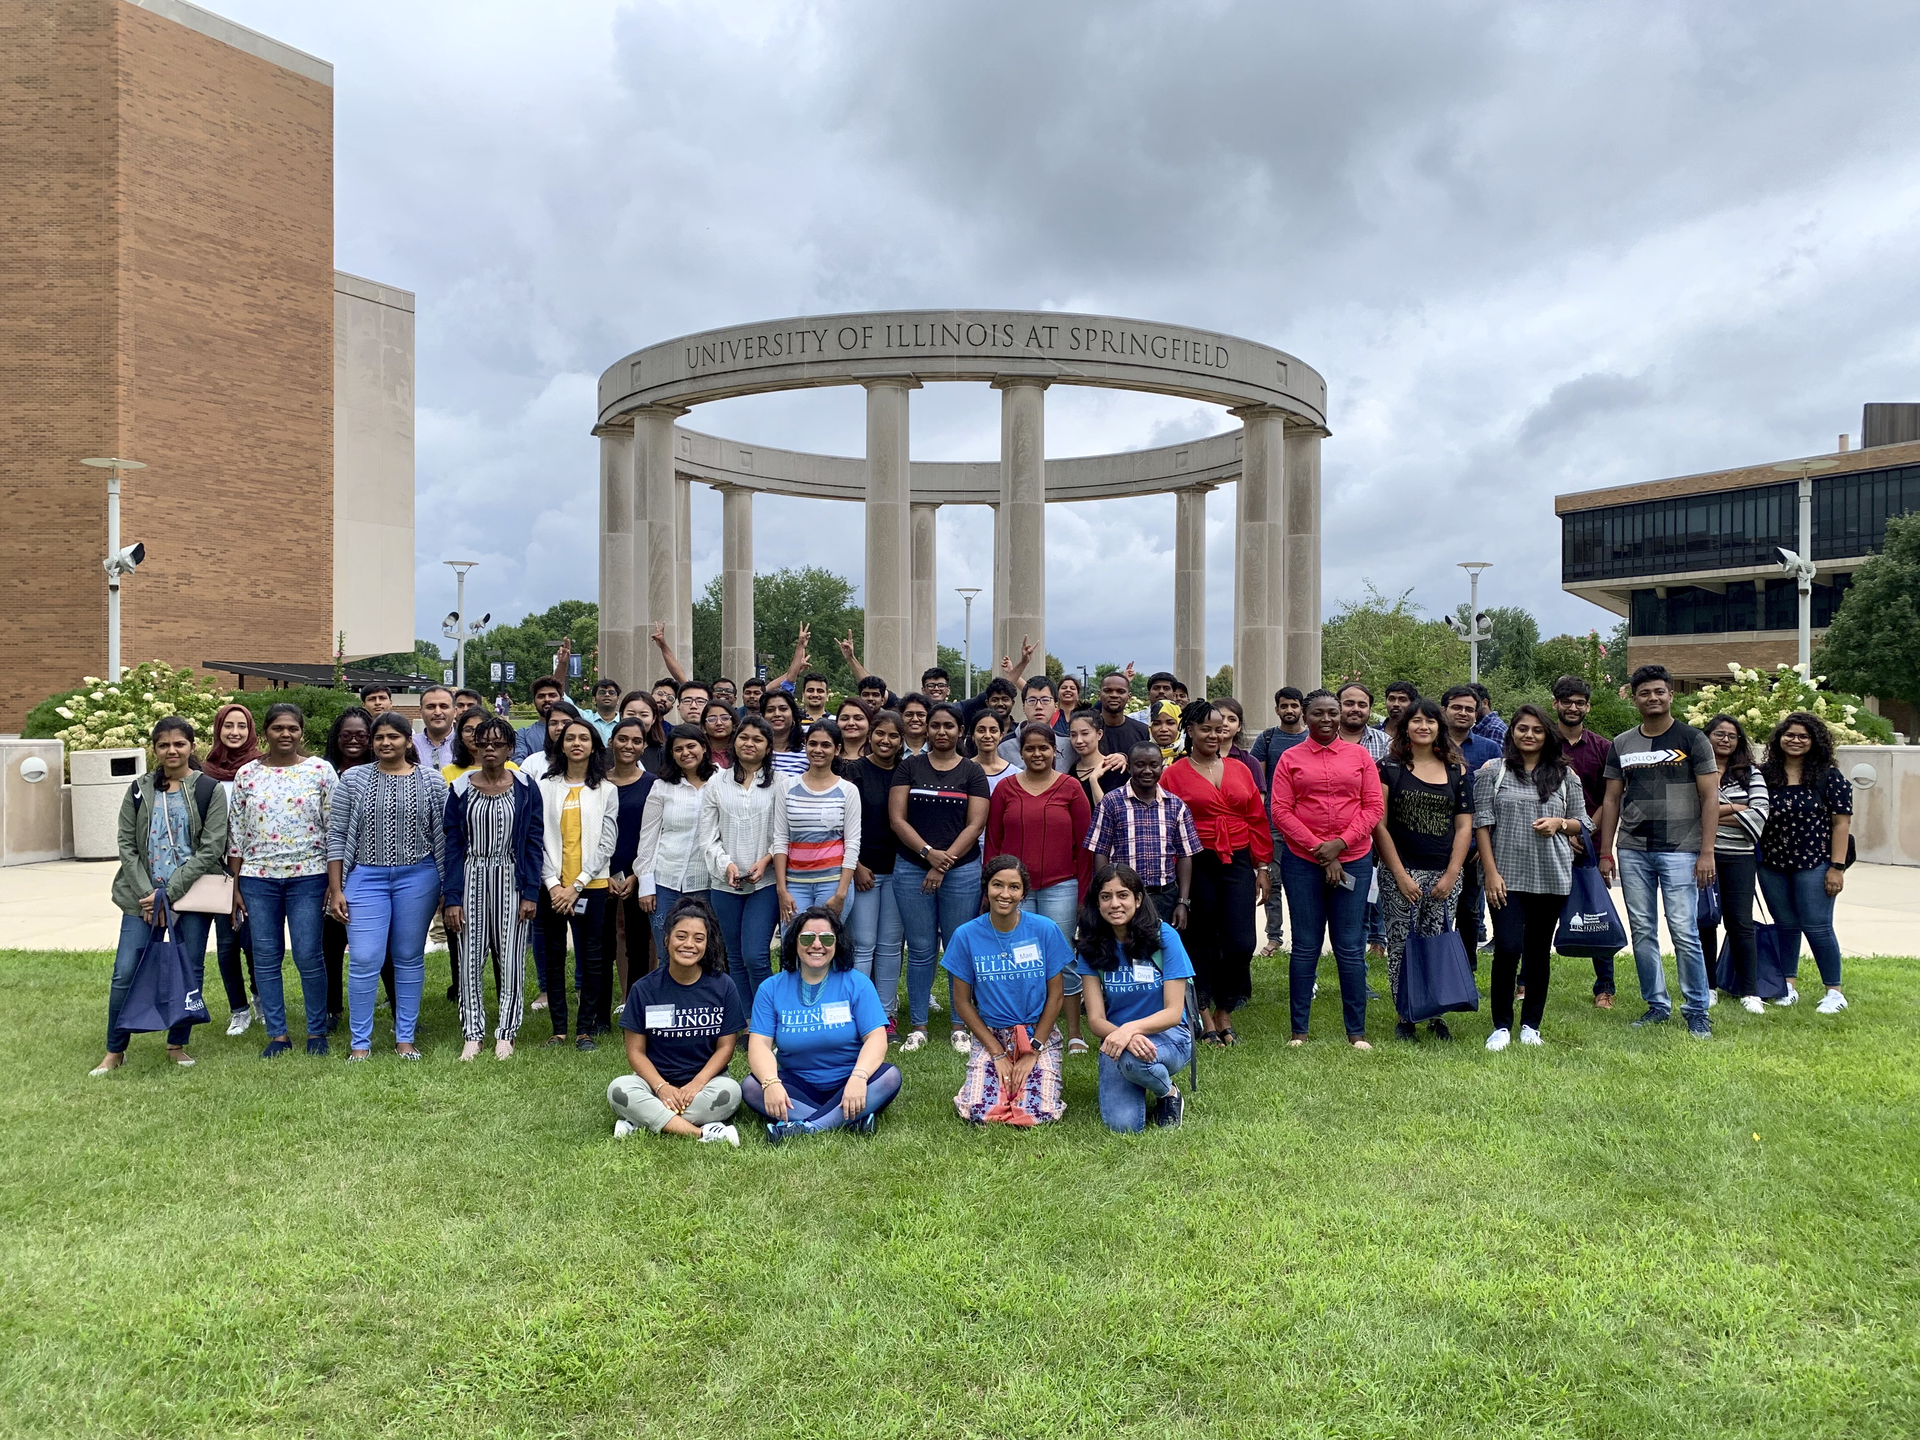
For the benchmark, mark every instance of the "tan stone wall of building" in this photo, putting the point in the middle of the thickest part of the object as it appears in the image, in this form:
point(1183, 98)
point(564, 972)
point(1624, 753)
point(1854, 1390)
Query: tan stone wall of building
point(175, 305)
point(1695, 660)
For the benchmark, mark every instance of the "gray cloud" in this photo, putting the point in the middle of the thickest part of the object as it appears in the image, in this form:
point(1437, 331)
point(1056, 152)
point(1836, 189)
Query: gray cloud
point(1533, 249)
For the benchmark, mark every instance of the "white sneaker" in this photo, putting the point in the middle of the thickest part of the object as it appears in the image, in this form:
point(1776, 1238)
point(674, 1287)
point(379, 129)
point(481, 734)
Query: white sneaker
point(1713, 998)
point(1499, 1039)
point(1791, 997)
point(1832, 1003)
point(915, 1039)
point(718, 1133)
point(240, 1021)
point(962, 1042)
point(623, 1128)
point(1530, 1036)
point(1753, 1005)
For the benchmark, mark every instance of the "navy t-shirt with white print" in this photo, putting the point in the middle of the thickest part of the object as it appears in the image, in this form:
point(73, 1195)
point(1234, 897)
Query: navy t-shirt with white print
point(683, 1023)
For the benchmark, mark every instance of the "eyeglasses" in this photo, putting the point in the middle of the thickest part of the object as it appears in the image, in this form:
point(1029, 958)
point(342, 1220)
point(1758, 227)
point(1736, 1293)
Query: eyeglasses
point(815, 940)
point(494, 744)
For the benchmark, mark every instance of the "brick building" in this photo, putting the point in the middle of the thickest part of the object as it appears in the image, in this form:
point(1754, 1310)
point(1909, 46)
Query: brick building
point(1691, 562)
point(170, 297)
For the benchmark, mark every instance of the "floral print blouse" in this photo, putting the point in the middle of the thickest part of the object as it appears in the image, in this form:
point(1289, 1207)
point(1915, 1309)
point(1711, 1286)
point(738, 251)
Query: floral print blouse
point(279, 816)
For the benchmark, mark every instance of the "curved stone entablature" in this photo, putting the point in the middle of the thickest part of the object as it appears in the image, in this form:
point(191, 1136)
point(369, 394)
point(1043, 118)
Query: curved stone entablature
point(977, 345)
point(649, 464)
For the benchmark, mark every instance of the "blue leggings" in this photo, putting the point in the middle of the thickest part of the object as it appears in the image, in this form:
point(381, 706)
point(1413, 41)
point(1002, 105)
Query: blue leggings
point(819, 1109)
point(389, 908)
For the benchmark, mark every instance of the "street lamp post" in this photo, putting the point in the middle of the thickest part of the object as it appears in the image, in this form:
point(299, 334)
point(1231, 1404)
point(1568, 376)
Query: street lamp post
point(119, 562)
point(1799, 566)
point(1477, 626)
point(456, 626)
point(967, 594)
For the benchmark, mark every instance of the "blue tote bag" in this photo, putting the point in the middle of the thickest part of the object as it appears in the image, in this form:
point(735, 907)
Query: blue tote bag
point(1435, 976)
point(1775, 952)
point(1589, 923)
point(1706, 908)
point(162, 994)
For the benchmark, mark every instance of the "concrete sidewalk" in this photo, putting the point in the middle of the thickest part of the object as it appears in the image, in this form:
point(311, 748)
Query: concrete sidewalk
point(63, 905)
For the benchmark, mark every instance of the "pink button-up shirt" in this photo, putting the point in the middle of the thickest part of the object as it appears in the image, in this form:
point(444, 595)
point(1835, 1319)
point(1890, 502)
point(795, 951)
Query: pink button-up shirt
point(1327, 792)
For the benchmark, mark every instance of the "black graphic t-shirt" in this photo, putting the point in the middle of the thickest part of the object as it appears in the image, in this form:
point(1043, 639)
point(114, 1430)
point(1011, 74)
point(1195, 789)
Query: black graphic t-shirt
point(1420, 816)
point(682, 1023)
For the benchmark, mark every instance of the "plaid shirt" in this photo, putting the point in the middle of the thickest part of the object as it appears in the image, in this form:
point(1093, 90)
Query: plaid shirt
point(1150, 835)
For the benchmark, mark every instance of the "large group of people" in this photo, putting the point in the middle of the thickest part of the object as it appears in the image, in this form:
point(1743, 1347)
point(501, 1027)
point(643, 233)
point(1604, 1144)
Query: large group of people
point(753, 859)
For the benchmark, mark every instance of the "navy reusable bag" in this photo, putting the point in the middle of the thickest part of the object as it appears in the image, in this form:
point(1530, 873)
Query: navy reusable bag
point(1589, 923)
point(1434, 974)
point(162, 994)
point(1771, 955)
point(1706, 908)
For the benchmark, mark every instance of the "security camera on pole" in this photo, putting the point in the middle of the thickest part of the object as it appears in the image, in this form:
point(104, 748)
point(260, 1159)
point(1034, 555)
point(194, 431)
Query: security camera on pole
point(1799, 563)
point(455, 627)
point(120, 561)
point(1481, 627)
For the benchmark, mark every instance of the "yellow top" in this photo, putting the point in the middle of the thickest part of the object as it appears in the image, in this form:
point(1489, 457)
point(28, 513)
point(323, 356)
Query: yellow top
point(570, 841)
point(451, 773)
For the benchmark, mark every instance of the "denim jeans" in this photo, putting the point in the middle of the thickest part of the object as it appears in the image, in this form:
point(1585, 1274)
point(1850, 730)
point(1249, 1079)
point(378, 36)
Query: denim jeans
point(664, 899)
point(1060, 904)
point(873, 925)
point(1322, 911)
point(388, 905)
point(809, 893)
point(929, 922)
point(191, 931)
point(747, 920)
point(1651, 880)
point(275, 909)
point(232, 943)
point(1127, 1084)
point(1801, 906)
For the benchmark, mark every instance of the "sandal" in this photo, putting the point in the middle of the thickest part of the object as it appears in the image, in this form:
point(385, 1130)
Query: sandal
point(1227, 1037)
point(1076, 1046)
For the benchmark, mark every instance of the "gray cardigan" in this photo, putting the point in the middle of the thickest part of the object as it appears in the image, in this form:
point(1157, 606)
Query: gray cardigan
point(350, 803)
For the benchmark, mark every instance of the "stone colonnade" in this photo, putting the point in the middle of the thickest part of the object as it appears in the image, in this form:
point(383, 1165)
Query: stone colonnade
point(646, 563)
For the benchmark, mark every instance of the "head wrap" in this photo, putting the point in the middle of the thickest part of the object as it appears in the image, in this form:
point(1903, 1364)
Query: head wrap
point(1161, 710)
point(223, 761)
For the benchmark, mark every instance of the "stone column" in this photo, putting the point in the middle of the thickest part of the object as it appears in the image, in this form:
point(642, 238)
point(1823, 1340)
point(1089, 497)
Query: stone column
point(1190, 587)
point(736, 583)
point(1302, 614)
point(889, 583)
point(655, 534)
point(923, 653)
point(1023, 505)
point(1259, 570)
point(616, 556)
point(997, 631)
point(681, 628)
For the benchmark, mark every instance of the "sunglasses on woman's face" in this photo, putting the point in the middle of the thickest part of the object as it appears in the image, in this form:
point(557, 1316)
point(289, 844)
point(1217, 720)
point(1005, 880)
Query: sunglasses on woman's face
point(812, 941)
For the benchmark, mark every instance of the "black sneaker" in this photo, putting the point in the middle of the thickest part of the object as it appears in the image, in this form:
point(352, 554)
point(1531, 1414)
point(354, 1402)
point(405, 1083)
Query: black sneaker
point(1406, 1030)
point(1170, 1109)
point(1652, 1017)
point(275, 1049)
point(333, 1021)
point(1698, 1027)
point(1438, 1029)
point(316, 1045)
point(585, 1042)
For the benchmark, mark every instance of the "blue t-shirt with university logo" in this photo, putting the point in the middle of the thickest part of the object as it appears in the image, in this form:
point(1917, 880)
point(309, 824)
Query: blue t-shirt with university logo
point(1131, 990)
point(1009, 972)
point(683, 1023)
point(819, 1043)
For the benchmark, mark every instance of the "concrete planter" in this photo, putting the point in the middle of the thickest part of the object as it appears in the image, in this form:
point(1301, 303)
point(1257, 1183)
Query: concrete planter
point(30, 801)
point(1886, 801)
point(100, 781)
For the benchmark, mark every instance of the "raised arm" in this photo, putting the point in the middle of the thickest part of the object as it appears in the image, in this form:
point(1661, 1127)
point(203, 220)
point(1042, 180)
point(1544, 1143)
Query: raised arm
point(674, 668)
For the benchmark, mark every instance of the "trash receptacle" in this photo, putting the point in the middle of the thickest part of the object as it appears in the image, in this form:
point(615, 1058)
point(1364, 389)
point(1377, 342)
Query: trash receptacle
point(100, 780)
point(29, 801)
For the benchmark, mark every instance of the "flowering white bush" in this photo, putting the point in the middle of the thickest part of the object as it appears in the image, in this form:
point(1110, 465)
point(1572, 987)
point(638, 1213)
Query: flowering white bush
point(1759, 701)
point(120, 717)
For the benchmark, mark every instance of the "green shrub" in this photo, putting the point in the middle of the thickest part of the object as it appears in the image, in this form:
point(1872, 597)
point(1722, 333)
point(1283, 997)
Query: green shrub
point(320, 705)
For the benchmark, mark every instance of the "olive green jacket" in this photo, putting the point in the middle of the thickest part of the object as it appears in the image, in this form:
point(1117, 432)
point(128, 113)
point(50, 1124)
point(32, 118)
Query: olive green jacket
point(206, 833)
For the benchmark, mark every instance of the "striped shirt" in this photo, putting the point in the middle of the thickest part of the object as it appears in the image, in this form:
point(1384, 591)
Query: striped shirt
point(1152, 836)
point(818, 831)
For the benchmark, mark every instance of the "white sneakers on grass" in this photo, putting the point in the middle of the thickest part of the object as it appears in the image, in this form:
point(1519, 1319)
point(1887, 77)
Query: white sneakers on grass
point(963, 1042)
point(1713, 997)
point(1500, 1039)
point(1790, 998)
point(1753, 1005)
point(1530, 1036)
point(1832, 1003)
point(718, 1134)
point(623, 1128)
point(915, 1040)
point(240, 1021)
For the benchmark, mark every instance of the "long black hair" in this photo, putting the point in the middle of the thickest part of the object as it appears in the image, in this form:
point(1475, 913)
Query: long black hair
point(463, 755)
point(1740, 763)
point(392, 720)
point(1551, 773)
point(704, 769)
point(790, 939)
point(352, 712)
point(1095, 942)
point(969, 746)
point(794, 741)
point(751, 721)
point(713, 959)
point(1819, 754)
point(1400, 750)
point(596, 755)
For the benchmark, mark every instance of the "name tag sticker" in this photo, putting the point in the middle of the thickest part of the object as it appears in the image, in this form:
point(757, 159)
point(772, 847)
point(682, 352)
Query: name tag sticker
point(659, 1017)
point(1024, 955)
point(836, 1012)
point(1144, 974)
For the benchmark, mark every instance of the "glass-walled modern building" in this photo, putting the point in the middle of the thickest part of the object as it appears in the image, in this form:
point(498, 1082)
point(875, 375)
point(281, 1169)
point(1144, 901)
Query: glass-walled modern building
point(1692, 562)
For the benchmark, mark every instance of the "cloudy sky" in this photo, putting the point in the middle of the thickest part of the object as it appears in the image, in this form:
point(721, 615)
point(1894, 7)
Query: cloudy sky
point(1532, 248)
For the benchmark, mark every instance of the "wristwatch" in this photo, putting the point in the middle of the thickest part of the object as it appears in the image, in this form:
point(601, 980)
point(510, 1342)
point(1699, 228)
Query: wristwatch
point(925, 850)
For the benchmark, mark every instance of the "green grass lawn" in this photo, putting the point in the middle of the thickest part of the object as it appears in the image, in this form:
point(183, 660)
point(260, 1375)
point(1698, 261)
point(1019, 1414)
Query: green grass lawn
point(1627, 1233)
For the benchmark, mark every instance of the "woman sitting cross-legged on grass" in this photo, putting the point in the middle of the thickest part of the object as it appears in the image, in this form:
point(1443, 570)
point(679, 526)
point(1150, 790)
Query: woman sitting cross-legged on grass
point(682, 1019)
point(825, 1020)
point(1136, 971)
point(1527, 805)
point(1006, 966)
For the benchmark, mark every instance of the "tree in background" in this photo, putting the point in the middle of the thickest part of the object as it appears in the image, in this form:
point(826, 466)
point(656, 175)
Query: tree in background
point(1376, 641)
point(531, 645)
point(424, 659)
point(782, 601)
point(1516, 635)
point(1873, 644)
point(1221, 683)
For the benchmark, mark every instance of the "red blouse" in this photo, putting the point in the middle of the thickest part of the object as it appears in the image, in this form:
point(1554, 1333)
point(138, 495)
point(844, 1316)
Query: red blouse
point(1231, 816)
point(1048, 832)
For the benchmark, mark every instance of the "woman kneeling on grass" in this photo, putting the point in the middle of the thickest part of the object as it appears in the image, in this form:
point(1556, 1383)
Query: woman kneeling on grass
point(1006, 966)
point(824, 1019)
point(681, 1021)
point(1136, 999)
